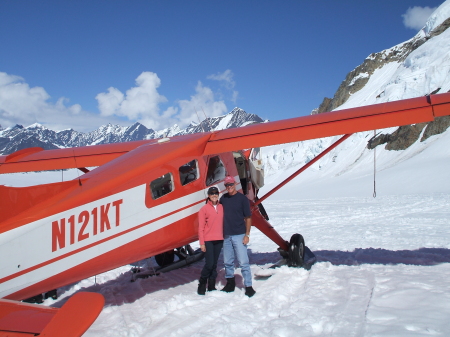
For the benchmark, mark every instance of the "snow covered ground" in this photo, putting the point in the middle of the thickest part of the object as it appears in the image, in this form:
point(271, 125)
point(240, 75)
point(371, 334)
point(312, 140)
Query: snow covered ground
point(383, 269)
point(383, 263)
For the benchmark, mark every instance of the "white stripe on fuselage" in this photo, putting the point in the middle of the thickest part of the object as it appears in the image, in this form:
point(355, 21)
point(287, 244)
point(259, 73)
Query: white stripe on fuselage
point(31, 245)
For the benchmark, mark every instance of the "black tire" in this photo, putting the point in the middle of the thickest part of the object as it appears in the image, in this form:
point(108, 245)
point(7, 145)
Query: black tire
point(296, 250)
point(165, 258)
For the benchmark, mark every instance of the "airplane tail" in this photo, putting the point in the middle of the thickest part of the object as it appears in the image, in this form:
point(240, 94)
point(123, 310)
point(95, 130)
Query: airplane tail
point(72, 319)
point(15, 200)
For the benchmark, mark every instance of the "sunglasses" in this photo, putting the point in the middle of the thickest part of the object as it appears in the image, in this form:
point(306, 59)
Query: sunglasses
point(215, 193)
point(229, 185)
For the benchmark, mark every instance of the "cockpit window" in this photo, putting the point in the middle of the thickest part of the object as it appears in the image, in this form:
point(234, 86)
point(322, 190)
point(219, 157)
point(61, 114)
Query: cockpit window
point(161, 186)
point(188, 172)
point(216, 171)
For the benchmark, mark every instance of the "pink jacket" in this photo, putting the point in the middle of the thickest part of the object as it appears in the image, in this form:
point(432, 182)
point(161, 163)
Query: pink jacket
point(210, 223)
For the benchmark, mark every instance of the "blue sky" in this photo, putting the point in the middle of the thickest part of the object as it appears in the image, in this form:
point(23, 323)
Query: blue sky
point(83, 63)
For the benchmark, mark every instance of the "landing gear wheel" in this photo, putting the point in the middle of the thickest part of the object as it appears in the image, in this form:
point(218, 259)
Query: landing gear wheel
point(166, 258)
point(296, 251)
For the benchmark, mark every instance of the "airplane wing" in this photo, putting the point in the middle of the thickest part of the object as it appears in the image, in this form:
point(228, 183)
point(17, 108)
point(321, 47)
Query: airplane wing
point(72, 319)
point(38, 159)
point(378, 116)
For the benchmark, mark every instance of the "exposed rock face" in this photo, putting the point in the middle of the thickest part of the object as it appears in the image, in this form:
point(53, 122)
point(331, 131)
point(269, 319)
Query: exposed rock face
point(358, 77)
point(400, 139)
point(325, 105)
point(440, 29)
point(439, 125)
point(406, 135)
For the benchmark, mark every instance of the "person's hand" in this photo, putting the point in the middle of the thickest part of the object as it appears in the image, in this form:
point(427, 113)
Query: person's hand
point(203, 248)
point(246, 239)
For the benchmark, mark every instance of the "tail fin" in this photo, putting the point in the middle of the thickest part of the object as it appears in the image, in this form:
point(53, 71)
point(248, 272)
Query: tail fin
point(15, 200)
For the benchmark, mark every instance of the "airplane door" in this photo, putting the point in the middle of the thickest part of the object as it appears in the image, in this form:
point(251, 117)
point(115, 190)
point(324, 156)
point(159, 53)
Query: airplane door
point(242, 168)
point(256, 166)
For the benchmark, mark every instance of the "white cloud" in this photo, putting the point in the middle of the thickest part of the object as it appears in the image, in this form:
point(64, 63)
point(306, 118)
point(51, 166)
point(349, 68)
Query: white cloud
point(142, 102)
point(226, 78)
point(416, 17)
point(20, 104)
point(139, 103)
point(204, 102)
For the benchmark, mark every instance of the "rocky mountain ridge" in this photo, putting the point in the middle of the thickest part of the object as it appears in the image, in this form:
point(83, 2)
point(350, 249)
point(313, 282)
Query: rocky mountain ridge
point(358, 78)
point(18, 137)
point(417, 67)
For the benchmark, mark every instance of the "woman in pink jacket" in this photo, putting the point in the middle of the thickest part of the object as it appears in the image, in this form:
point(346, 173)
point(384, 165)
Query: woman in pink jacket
point(210, 234)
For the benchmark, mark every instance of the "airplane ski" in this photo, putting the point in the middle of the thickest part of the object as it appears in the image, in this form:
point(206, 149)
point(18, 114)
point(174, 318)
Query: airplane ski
point(186, 257)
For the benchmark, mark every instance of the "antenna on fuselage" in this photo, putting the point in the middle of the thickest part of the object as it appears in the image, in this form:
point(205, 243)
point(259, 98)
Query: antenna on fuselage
point(76, 166)
point(199, 119)
point(210, 127)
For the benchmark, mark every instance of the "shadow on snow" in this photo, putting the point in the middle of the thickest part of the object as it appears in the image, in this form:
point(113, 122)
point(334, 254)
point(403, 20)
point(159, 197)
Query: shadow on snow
point(121, 290)
point(419, 257)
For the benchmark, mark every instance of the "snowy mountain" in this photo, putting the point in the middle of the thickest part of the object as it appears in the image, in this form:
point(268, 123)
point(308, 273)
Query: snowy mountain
point(417, 67)
point(36, 135)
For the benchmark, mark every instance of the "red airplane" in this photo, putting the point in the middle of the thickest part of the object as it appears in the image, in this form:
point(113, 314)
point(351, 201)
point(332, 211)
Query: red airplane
point(142, 200)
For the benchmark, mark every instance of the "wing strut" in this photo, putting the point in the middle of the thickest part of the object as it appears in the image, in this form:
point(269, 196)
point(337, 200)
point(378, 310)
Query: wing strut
point(304, 167)
point(265, 227)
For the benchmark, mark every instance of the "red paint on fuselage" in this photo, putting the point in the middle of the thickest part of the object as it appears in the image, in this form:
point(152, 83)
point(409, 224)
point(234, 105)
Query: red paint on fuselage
point(68, 231)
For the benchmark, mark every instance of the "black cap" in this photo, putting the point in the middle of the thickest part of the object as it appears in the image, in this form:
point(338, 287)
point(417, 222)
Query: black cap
point(213, 190)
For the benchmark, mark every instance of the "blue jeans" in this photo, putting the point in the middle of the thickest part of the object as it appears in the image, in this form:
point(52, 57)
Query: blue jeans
point(232, 245)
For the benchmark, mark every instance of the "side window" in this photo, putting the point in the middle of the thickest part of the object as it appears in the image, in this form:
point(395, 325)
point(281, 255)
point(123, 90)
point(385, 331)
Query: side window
point(161, 186)
point(188, 172)
point(216, 171)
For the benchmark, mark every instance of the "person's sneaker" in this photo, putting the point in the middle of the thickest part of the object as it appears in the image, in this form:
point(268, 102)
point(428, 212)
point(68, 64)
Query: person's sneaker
point(249, 291)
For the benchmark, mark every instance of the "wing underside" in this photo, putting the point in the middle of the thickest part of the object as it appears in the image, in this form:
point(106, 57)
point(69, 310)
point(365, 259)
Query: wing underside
point(37, 159)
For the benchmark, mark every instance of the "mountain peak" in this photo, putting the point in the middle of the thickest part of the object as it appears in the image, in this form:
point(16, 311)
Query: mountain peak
point(36, 126)
point(237, 110)
point(18, 136)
